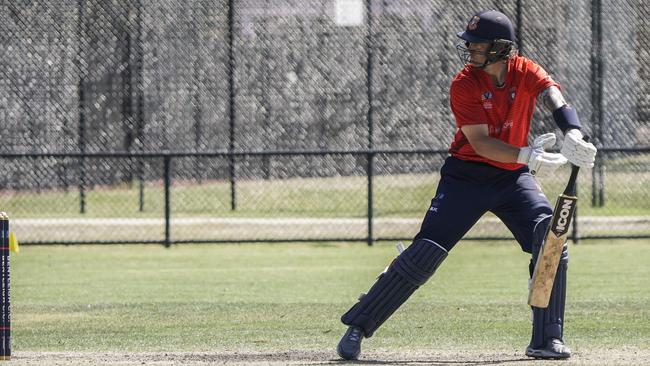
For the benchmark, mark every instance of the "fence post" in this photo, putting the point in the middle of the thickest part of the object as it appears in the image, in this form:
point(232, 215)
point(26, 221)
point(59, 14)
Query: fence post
point(598, 192)
point(197, 109)
point(81, 104)
point(594, 184)
point(231, 89)
point(370, 172)
point(601, 183)
point(520, 38)
point(598, 182)
point(369, 115)
point(139, 54)
point(168, 182)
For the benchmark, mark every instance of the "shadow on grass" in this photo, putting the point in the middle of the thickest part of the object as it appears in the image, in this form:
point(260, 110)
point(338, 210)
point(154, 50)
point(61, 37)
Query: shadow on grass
point(426, 362)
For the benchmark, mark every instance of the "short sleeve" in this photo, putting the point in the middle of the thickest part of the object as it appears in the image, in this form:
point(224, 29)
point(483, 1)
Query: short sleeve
point(465, 104)
point(537, 79)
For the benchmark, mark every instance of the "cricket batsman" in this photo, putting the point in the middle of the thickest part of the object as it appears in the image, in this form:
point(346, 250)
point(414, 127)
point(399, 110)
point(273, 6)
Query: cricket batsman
point(491, 167)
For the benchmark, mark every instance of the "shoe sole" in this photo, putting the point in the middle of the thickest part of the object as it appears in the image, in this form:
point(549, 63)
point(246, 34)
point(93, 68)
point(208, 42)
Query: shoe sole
point(347, 357)
point(542, 354)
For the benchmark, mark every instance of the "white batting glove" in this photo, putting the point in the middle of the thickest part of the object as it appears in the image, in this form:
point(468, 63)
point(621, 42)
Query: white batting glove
point(539, 160)
point(578, 151)
point(545, 141)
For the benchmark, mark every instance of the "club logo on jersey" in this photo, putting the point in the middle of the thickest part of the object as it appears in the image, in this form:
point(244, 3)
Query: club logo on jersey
point(513, 93)
point(486, 98)
point(473, 24)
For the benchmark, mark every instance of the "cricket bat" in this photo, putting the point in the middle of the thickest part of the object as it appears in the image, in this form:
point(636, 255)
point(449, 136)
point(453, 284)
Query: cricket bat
point(549, 255)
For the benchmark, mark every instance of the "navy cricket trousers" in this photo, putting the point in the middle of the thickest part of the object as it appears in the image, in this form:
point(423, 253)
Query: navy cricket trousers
point(467, 190)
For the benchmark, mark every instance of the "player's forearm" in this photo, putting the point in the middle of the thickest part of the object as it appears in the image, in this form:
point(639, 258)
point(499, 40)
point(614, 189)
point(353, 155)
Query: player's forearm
point(494, 149)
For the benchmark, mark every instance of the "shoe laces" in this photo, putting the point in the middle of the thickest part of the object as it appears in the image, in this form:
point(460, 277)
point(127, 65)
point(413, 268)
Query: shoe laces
point(355, 334)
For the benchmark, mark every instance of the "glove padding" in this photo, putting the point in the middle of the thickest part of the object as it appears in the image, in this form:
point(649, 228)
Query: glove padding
point(578, 151)
point(539, 160)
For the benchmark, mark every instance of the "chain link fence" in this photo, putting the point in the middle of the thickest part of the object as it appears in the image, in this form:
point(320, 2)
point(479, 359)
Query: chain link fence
point(259, 120)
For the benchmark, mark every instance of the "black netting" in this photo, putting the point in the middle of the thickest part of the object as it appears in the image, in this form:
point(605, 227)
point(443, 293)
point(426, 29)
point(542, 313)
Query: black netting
point(335, 79)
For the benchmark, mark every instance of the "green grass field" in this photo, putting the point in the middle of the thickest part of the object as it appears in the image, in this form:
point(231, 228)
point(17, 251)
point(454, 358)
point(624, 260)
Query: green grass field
point(280, 304)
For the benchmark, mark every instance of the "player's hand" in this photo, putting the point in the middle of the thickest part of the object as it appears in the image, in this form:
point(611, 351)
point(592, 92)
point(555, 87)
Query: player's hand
point(545, 141)
point(578, 151)
point(537, 159)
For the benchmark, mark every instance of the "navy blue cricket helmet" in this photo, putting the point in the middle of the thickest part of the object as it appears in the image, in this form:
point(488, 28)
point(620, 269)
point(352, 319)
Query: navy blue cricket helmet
point(488, 26)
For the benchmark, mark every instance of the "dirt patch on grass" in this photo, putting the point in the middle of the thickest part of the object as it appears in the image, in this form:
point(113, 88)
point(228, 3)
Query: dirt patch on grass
point(321, 357)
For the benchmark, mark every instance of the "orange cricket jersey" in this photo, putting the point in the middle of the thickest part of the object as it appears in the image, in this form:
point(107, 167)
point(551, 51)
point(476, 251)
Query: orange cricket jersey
point(507, 110)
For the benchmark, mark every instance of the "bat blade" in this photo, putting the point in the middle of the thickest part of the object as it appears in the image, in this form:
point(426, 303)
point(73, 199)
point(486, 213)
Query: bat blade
point(548, 258)
point(549, 255)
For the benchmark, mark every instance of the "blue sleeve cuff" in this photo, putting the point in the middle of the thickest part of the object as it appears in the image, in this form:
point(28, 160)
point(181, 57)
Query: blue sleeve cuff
point(566, 118)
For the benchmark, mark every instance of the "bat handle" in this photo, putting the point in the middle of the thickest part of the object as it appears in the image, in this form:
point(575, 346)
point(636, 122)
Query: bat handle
point(570, 189)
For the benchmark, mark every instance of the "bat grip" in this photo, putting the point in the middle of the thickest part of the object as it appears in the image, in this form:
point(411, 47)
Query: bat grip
point(570, 189)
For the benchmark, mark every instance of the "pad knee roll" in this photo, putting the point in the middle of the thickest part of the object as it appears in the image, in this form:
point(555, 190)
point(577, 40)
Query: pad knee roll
point(407, 273)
